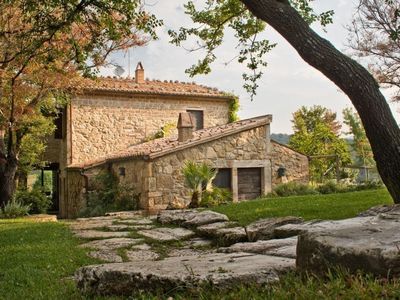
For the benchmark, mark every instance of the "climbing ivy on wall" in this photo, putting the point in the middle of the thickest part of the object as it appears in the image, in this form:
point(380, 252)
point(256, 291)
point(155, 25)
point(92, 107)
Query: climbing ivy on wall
point(233, 109)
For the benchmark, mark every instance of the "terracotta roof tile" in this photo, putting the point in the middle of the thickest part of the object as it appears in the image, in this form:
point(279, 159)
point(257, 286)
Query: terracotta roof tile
point(163, 146)
point(114, 84)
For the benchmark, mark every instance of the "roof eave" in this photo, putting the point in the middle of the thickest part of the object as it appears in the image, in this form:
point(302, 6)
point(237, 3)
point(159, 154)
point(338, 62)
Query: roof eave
point(147, 94)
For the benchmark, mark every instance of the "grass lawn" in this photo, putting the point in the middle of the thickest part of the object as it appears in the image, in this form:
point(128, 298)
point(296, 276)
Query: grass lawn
point(329, 207)
point(37, 260)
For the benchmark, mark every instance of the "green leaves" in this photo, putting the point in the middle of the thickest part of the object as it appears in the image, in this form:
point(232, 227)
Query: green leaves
point(316, 132)
point(218, 16)
point(196, 175)
point(360, 143)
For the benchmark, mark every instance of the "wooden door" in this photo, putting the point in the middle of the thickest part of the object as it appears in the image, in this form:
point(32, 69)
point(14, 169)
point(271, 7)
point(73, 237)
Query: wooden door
point(249, 183)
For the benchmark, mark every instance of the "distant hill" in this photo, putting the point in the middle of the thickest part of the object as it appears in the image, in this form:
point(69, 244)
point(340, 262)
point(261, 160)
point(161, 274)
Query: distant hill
point(282, 138)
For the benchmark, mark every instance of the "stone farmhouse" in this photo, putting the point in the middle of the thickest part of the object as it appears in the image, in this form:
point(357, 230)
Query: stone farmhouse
point(109, 124)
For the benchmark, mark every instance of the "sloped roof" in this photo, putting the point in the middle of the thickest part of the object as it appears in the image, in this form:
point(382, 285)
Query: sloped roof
point(151, 87)
point(164, 146)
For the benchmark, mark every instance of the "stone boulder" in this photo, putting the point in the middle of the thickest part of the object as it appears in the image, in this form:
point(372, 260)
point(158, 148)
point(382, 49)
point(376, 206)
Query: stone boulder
point(264, 229)
point(289, 230)
point(226, 233)
point(376, 210)
point(176, 217)
point(205, 217)
point(279, 247)
point(190, 217)
point(210, 230)
point(222, 271)
point(231, 235)
point(370, 244)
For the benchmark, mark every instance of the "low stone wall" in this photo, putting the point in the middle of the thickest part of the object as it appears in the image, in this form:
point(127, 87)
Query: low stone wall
point(295, 163)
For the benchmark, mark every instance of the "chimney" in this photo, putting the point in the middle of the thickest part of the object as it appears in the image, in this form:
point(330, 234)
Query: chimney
point(139, 73)
point(185, 127)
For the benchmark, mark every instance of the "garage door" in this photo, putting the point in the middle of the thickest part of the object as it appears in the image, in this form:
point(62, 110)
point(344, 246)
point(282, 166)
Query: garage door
point(249, 183)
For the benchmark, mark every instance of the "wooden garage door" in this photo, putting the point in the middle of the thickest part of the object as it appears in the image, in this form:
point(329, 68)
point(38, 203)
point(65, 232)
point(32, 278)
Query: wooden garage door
point(249, 183)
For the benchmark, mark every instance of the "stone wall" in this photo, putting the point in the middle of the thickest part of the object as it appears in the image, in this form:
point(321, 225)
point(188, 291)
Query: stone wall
point(162, 179)
point(295, 163)
point(136, 176)
point(105, 124)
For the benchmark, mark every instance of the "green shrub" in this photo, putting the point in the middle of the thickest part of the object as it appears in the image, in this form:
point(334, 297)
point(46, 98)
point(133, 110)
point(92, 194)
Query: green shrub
point(216, 197)
point(36, 199)
point(293, 189)
point(109, 195)
point(198, 176)
point(370, 185)
point(330, 187)
point(14, 209)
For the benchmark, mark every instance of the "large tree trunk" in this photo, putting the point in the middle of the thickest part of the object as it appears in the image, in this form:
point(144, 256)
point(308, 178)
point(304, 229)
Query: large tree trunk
point(7, 180)
point(358, 84)
point(8, 169)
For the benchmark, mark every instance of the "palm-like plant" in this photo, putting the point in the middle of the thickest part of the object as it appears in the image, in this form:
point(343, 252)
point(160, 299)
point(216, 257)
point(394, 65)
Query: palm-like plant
point(198, 178)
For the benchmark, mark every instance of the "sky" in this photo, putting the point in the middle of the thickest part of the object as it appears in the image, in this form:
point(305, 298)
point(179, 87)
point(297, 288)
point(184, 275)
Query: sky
point(288, 82)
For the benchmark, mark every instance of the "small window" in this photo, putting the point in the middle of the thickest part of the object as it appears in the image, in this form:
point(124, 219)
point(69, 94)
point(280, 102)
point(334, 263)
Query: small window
point(58, 122)
point(122, 171)
point(197, 119)
point(223, 179)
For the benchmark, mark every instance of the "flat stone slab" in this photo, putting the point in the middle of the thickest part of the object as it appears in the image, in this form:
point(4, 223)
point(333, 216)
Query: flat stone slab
point(264, 229)
point(211, 229)
point(94, 234)
point(102, 218)
point(205, 217)
point(318, 225)
point(109, 256)
point(141, 255)
point(187, 252)
point(198, 243)
point(190, 217)
point(90, 224)
point(143, 227)
point(370, 244)
point(221, 270)
point(381, 209)
point(110, 244)
point(141, 247)
point(229, 236)
point(280, 247)
point(137, 221)
point(167, 234)
point(175, 216)
point(119, 227)
point(125, 214)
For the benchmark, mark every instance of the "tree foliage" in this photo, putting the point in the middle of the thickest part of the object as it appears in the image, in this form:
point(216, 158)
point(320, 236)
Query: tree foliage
point(211, 22)
point(45, 49)
point(317, 132)
point(375, 39)
point(360, 143)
